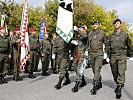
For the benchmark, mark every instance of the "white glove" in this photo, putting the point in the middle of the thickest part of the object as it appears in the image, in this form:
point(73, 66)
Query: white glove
point(75, 28)
point(86, 53)
point(53, 56)
point(131, 58)
point(74, 42)
point(108, 60)
point(71, 58)
point(105, 56)
point(42, 54)
point(9, 56)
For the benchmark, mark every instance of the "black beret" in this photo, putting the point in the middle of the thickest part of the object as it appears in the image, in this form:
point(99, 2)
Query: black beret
point(96, 21)
point(117, 20)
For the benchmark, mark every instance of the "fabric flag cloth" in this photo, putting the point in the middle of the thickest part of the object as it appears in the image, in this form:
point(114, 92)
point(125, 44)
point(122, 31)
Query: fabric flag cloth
point(43, 28)
point(25, 53)
point(3, 23)
point(65, 19)
point(3, 20)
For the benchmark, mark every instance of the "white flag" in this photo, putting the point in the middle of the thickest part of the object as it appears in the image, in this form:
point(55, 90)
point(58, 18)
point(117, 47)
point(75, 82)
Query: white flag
point(25, 53)
point(3, 20)
point(65, 19)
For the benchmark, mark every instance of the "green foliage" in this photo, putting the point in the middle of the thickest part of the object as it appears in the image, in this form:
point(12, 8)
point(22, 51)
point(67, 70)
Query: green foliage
point(85, 12)
point(51, 10)
point(35, 15)
point(13, 12)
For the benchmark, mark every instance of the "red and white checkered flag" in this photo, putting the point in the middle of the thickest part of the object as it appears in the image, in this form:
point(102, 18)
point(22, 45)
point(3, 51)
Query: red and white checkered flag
point(25, 53)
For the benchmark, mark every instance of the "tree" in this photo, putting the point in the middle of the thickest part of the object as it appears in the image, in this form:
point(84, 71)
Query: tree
point(12, 11)
point(51, 11)
point(85, 12)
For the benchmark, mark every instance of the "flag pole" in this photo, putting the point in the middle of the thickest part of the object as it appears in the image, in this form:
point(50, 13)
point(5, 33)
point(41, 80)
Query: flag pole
point(75, 37)
point(17, 60)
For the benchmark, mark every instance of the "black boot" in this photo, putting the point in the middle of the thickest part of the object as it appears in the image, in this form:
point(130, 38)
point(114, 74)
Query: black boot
point(99, 85)
point(83, 83)
point(3, 80)
point(70, 68)
point(118, 92)
point(116, 89)
point(94, 89)
point(17, 78)
point(76, 87)
point(67, 79)
point(26, 69)
point(55, 71)
point(58, 85)
point(31, 75)
point(45, 73)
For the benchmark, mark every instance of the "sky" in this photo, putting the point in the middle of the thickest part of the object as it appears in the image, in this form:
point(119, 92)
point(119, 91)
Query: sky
point(124, 7)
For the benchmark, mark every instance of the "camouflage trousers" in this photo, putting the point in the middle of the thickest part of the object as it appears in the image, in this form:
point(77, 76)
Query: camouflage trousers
point(45, 62)
point(4, 63)
point(96, 62)
point(32, 61)
point(118, 67)
point(63, 62)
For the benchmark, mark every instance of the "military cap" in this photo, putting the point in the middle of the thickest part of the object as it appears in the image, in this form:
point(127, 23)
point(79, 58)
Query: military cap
point(17, 29)
point(33, 30)
point(117, 20)
point(96, 21)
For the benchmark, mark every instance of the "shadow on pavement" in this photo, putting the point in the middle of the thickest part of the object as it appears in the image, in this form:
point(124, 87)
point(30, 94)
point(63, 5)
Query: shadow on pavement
point(110, 83)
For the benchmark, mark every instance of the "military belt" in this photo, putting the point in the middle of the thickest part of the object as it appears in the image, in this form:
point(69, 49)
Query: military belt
point(117, 50)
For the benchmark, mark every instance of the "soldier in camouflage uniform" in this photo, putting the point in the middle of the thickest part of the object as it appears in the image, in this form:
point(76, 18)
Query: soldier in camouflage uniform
point(54, 60)
point(82, 46)
point(62, 50)
point(4, 54)
point(119, 44)
point(96, 40)
point(16, 53)
point(45, 51)
point(34, 46)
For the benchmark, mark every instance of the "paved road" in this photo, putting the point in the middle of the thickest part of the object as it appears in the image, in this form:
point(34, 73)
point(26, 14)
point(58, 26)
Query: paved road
point(42, 88)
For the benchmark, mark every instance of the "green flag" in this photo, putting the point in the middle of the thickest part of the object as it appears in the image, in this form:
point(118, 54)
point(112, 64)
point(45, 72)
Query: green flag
point(65, 19)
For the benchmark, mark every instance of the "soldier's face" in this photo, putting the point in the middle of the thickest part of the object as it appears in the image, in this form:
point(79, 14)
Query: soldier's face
point(96, 26)
point(11, 33)
point(46, 36)
point(117, 25)
point(3, 30)
point(17, 32)
point(54, 36)
point(33, 33)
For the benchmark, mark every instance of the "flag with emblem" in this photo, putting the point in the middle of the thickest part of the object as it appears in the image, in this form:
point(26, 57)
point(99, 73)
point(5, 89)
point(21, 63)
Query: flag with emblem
point(25, 53)
point(65, 19)
point(43, 28)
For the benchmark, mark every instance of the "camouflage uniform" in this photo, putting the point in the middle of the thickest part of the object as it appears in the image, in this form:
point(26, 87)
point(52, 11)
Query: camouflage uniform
point(62, 60)
point(96, 41)
point(82, 46)
point(119, 44)
point(78, 60)
point(16, 56)
point(34, 46)
point(46, 51)
point(4, 56)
